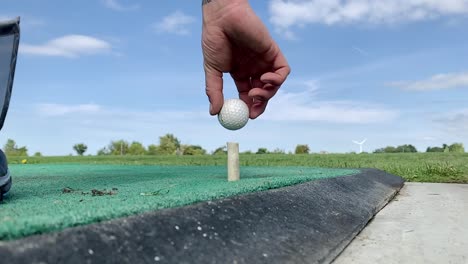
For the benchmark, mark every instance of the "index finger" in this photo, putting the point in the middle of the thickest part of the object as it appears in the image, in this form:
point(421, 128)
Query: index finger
point(281, 70)
point(214, 90)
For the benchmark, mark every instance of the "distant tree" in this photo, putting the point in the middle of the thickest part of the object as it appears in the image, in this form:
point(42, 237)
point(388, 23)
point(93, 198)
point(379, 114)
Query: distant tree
point(168, 145)
point(408, 148)
point(136, 148)
point(390, 149)
point(379, 150)
point(11, 149)
point(457, 148)
point(118, 147)
point(445, 147)
point(262, 151)
point(302, 149)
point(152, 150)
point(247, 152)
point(10, 146)
point(434, 149)
point(180, 150)
point(387, 149)
point(220, 151)
point(194, 150)
point(80, 148)
point(103, 151)
point(278, 151)
point(411, 148)
point(37, 154)
point(23, 151)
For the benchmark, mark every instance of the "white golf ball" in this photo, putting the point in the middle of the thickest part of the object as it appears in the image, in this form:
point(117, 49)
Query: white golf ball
point(234, 115)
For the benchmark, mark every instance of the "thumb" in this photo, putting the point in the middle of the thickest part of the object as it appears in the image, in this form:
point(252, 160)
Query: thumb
point(214, 90)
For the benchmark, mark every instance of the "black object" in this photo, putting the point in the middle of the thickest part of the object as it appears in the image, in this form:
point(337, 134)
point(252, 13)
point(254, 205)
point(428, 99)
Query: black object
point(9, 42)
point(307, 223)
point(5, 179)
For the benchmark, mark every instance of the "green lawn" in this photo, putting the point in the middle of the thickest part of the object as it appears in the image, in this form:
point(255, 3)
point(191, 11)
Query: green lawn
point(420, 167)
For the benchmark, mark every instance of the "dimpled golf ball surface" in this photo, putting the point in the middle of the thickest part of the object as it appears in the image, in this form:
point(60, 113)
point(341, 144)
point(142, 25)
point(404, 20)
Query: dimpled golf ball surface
point(234, 115)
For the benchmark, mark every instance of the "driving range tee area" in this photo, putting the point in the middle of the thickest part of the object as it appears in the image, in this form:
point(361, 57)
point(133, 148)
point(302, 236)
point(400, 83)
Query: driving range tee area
point(186, 214)
point(52, 197)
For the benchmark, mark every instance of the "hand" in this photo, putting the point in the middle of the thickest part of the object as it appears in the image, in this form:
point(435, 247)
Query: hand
point(236, 41)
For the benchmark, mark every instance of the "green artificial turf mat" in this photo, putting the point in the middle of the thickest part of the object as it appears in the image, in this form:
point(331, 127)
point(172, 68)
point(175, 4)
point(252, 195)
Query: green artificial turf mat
point(52, 197)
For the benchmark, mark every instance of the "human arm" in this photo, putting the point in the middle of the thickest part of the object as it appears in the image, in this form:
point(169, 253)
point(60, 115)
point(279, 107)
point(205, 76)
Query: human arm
point(235, 41)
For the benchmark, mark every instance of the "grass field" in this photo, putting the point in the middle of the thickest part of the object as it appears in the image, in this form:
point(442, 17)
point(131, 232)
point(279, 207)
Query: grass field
point(418, 167)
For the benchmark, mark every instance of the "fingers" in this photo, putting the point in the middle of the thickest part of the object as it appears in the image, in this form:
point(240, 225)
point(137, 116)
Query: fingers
point(281, 70)
point(214, 90)
point(276, 78)
point(268, 85)
point(264, 88)
point(262, 91)
point(257, 108)
point(255, 94)
point(256, 105)
point(244, 86)
point(261, 96)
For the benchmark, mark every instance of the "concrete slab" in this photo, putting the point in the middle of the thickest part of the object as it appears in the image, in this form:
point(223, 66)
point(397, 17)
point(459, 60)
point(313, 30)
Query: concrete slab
point(425, 223)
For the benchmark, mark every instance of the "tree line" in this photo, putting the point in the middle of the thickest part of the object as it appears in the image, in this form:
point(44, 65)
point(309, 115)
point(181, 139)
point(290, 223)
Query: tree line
point(408, 148)
point(168, 145)
point(171, 145)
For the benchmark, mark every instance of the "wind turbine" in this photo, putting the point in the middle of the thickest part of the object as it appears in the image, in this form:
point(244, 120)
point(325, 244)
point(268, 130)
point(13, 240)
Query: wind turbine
point(360, 144)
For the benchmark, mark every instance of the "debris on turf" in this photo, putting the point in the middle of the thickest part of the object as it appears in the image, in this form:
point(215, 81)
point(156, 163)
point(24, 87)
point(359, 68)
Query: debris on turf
point(94, 192)
point(67, 190)
point(158, 192)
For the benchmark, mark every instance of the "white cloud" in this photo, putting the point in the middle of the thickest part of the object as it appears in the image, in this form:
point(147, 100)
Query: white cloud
point(100, 113)
point(175, 23)
point(429, 138)
point(62, 110)
point(115, 5)
point(70, 46)
point(303, 106)
point(285, 14)
point(436, 82)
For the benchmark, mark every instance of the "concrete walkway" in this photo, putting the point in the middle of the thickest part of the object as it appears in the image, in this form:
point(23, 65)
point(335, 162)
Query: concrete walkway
point(425, 223)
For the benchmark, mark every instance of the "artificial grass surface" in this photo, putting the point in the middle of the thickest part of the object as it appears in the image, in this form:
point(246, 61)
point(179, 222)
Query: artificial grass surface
point(48, 198)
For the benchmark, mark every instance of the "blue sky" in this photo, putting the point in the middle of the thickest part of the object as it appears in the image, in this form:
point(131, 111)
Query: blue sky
point(394, 72)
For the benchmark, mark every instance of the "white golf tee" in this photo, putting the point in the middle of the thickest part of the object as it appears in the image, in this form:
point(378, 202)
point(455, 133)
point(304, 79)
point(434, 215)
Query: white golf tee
point(233, 161)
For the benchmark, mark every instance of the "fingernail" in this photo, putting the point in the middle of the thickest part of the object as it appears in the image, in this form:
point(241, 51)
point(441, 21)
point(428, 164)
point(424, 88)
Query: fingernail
point(211, 108)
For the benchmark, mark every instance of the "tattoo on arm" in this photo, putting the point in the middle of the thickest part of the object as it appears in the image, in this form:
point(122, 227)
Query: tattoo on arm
point(204, 2)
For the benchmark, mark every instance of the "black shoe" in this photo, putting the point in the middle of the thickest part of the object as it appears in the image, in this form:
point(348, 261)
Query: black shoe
point(5, 179)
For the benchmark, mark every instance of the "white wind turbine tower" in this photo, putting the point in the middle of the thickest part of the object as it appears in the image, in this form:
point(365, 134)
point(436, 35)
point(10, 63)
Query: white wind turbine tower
point(360, 144)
